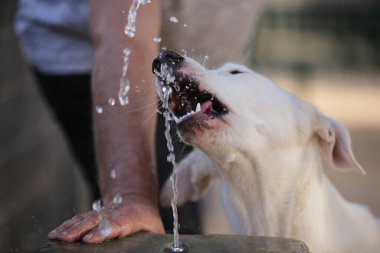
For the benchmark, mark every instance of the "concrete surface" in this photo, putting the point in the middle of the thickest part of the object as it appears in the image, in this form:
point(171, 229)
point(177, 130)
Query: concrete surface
point(149, 243)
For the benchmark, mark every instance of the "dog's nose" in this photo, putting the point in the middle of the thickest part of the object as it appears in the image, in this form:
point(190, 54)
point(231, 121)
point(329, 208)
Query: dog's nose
point(166, 57)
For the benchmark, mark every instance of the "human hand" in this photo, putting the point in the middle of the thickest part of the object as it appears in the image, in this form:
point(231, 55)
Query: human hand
point(133, 214)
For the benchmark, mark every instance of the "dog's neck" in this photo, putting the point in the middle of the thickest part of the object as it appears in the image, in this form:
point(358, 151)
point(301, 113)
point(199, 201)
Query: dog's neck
point(271, 196)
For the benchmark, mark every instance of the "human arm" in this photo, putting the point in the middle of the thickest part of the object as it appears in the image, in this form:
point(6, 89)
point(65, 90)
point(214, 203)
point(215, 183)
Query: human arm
point(124, 135)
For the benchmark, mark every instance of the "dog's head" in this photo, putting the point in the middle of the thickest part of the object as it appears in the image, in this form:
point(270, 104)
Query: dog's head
point(242, 111)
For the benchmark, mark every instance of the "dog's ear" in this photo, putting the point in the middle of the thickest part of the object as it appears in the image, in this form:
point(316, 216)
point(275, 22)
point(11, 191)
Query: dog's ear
point(335, 142)
point(194, 176)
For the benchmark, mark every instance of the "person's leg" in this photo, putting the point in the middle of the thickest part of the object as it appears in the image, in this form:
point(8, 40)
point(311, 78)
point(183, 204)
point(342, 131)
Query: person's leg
point(69, 97)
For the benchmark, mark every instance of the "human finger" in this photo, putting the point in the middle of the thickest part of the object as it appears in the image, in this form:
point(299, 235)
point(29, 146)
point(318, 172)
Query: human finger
point(76, 231)
point(64, 226)
point(73, 231)
point(106, 230)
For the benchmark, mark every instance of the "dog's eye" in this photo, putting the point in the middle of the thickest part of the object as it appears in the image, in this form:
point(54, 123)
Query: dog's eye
point(235, 71)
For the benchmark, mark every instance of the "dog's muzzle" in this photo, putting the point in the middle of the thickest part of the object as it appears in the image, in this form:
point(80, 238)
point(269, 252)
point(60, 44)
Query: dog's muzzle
point(186, 100)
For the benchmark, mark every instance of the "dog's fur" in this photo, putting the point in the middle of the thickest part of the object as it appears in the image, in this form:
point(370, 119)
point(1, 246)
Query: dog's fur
point(271, 150)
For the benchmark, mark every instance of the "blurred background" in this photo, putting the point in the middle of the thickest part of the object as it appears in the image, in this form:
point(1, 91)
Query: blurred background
point(327, 52)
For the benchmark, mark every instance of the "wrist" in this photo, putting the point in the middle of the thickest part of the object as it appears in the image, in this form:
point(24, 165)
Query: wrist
point(130, 180)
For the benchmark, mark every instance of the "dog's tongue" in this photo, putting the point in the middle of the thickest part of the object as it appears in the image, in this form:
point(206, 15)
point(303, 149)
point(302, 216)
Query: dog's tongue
point(205, 106)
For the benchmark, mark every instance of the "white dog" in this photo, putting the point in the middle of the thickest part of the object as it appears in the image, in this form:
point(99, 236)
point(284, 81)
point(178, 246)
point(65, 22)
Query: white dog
point(270, 150)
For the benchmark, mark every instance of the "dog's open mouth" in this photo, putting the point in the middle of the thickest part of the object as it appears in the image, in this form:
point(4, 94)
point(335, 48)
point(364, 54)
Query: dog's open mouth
point(187, 100)
point(191, 106)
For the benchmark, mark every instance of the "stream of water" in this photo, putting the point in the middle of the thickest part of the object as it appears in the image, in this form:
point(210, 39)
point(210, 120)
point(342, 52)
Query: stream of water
point(173, 178)
point(130, 31)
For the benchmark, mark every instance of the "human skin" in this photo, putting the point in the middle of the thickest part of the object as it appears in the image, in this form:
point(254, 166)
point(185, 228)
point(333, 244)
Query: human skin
point(124, 135)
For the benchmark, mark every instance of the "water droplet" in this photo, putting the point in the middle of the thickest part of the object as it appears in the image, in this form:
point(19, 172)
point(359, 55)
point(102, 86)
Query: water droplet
point(111, 101)
point(184, 52)
point(173, 19)
point(163, 48)
point(97, 205)
point(205, 59)
point(99, 109)
point(118, 199)
point(113, 174)
point(105, 227)
point(184, 25)
point(177, 248)
point(144, 2)
point(157, 39)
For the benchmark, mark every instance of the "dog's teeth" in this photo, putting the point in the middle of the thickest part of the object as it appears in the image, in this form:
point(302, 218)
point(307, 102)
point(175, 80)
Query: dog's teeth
point(198, 109)
point(186, 116)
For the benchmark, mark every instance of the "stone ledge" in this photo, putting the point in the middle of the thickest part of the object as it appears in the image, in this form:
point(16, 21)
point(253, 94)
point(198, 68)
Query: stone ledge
point(152, 243)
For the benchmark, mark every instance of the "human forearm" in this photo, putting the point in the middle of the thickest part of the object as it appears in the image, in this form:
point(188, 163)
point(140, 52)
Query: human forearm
point(124, 135)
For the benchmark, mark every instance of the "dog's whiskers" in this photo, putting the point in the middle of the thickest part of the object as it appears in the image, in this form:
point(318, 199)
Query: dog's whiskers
point(142, 107)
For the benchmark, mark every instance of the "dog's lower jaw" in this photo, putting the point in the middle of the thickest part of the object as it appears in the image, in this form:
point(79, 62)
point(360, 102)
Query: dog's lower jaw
point(267, 200)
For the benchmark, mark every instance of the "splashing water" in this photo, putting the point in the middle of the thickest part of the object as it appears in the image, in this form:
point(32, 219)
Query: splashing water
point(205, 59)
point(130, 31)
point(113, 174)
point(105, 226)
point(173, 178)
point(184, 52)
point(124, 82)
point(99, 109)
point(157, 39)
point(111, 101)
point(97, 205)
point(166, 74)
point(130, 28)
point(118, 199)
point(173, 19)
